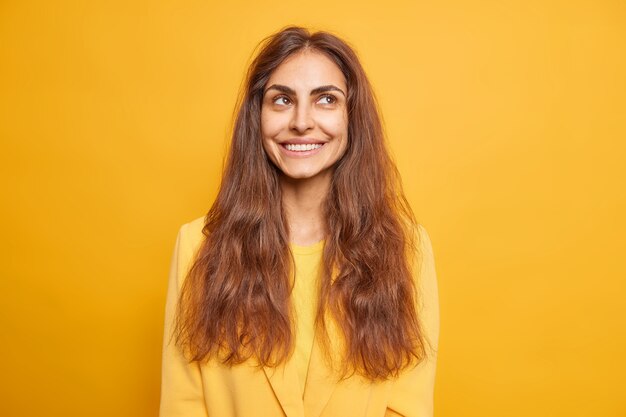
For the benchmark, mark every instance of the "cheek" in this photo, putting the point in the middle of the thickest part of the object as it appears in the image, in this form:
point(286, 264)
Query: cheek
point(335, 125)
point(271, 124)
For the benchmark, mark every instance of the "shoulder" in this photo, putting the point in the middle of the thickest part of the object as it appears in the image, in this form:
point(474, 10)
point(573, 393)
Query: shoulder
point(192, 230)
point(419, 241)
point(424, 247)
point(424, 243)
point(427, 275)
point(190, 237)
point(424, 263)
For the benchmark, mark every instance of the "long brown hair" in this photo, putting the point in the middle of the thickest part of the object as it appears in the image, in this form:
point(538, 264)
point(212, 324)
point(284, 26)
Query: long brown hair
point(235, 302)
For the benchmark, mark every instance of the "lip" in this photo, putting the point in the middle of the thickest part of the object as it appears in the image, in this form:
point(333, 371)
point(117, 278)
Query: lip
point(300, 154)
point(300, 141)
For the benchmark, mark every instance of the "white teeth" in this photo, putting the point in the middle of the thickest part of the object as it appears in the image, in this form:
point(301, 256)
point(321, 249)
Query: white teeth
point(303, 147)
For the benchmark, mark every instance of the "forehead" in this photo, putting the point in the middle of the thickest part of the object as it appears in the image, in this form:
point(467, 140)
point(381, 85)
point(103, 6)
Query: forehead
point(307, 70)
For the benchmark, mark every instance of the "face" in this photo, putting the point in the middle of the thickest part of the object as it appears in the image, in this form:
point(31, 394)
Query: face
point(304, 118)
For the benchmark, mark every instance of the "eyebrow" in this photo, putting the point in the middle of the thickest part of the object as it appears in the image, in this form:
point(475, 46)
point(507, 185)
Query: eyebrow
point(317, 90)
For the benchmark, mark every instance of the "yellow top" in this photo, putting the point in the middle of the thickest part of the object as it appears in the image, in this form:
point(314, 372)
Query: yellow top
point(247, 390)
point(307, 261)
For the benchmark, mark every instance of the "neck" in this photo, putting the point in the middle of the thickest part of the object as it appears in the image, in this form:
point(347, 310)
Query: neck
point(303, 204)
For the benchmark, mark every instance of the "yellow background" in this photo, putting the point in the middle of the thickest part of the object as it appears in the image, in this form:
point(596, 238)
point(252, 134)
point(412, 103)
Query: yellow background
point(506, 119)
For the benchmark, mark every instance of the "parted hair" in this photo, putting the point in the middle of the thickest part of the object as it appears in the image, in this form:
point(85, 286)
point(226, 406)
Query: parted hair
point(235, 302)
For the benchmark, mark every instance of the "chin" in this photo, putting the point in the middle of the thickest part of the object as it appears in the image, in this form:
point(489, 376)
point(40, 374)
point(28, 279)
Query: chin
point(299, 175)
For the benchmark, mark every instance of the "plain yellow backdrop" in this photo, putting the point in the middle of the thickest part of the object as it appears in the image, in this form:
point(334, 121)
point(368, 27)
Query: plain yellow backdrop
point(506, 119)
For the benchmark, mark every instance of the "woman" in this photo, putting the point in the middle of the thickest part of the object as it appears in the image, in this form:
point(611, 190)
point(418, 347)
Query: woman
point(299, 293)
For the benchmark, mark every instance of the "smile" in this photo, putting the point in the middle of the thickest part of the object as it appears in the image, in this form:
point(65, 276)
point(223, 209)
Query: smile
point(301, 150)
point(303, 147)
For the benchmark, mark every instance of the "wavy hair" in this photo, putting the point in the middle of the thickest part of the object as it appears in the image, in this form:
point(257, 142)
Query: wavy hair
point(235, 301)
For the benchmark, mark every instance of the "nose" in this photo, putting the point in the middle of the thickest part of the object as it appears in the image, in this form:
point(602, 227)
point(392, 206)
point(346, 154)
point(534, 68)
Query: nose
point(302, 119)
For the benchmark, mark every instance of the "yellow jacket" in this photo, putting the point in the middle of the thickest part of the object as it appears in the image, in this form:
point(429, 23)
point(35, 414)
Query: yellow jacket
point(215, 390)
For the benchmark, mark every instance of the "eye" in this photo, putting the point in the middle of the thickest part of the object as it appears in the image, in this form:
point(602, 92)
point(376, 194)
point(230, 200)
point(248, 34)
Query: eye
point(281, 100)
point(327, 99)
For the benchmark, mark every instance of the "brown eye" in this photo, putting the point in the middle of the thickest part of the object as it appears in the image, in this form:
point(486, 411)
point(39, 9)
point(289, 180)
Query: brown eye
point(281, 101)
point(328, 99)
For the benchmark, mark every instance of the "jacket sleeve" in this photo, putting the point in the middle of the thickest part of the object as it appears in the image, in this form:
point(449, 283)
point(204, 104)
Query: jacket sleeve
point(181, 382)
point(412, 393)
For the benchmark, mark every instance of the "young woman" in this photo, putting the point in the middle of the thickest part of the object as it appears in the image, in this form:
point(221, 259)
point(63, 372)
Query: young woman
point(308, 289)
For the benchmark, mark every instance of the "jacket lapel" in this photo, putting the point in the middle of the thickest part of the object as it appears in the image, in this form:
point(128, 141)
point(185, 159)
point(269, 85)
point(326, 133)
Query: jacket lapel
point(321, 379)
point(286, 387)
